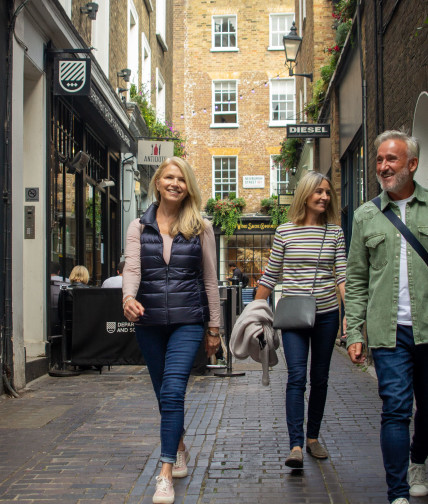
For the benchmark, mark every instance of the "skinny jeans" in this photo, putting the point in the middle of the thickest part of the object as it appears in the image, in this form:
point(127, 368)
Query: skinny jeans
point(169, 352)
point(320, 339)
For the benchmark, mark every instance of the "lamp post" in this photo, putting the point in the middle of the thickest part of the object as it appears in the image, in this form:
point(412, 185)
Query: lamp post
point(291, 47)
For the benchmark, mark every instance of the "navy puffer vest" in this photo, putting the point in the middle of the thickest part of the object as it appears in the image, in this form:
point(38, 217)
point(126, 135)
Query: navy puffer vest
point(171, 293)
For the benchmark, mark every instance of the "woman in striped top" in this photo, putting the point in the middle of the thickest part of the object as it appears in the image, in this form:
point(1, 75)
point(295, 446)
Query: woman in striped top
point(294, 257)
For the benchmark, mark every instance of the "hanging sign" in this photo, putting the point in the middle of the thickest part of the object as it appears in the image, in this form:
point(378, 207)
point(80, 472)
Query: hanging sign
point(72, 76)
point(154, 152)
point(308, 131)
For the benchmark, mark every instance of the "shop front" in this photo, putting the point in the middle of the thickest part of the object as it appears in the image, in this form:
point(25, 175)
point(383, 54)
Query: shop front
point(249, 248)
point(87, 146)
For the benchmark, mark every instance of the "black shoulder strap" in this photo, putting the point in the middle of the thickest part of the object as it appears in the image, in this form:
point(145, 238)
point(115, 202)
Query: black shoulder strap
point(404, 230)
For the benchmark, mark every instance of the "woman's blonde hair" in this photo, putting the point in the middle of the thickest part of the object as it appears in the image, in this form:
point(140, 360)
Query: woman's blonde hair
point(79, 274)
point(189, 221)
point(305, 188)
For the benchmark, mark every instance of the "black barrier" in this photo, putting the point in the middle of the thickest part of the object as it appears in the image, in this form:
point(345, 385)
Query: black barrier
point(101, 335)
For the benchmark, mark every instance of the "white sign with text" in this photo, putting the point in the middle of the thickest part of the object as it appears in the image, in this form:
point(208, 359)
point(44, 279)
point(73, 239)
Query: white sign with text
point(253, 181)
point(154, 152)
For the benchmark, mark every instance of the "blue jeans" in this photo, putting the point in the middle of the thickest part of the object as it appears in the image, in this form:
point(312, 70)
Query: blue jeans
point(402, 371)
point(320, 339)
point(169, 352)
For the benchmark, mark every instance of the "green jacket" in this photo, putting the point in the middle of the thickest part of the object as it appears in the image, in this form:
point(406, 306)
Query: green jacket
point(372, 273)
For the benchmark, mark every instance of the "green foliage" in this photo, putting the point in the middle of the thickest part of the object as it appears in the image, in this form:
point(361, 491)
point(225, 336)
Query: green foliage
point(278, 213)
point(343, 13)
point(226, 212)
point(344, 10)
point(290, 151)
point(156, 128)
point(342, 31)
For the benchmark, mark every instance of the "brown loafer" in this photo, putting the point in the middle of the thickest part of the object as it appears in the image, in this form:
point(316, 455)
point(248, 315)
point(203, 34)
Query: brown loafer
point(316, 450)
point(295, 459)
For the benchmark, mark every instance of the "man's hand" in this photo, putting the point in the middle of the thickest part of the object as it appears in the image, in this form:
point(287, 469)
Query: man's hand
point(355, 352)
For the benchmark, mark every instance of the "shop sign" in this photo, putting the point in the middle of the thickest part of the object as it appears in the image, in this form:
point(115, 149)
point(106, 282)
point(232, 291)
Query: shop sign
point(253, 181)
point(308, 131)
point(254, 226)
point(153, 152)
point(72, 76)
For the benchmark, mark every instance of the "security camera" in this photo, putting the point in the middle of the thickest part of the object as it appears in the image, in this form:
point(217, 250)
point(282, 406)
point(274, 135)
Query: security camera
point(78, 163)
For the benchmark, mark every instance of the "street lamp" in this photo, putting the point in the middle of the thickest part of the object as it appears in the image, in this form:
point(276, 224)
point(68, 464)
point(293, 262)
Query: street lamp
point(291, 47)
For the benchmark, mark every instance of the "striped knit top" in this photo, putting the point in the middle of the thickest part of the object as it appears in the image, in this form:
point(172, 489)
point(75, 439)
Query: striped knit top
point(294, 255)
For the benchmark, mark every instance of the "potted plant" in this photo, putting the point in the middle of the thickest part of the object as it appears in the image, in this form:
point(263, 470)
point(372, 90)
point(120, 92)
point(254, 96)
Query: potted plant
point(277, 212)
point(226, 212)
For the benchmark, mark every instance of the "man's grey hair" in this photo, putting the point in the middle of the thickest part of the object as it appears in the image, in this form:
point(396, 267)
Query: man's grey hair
point(411, 142)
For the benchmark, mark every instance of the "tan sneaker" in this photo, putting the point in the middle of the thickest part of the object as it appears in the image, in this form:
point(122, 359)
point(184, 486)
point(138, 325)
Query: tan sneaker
point(179, 469)
point(164, 491)
point(417, 478)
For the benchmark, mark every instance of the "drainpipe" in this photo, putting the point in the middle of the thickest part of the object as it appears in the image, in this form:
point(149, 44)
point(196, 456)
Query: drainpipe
point(364, 102)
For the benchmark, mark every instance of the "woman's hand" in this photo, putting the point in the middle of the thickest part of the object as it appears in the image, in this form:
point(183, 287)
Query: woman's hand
point(132, 309)
point(212, 343)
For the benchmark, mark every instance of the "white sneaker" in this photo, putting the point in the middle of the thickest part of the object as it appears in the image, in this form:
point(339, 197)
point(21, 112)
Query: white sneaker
point(164, 491)
point(416, 476)
point(401, 500)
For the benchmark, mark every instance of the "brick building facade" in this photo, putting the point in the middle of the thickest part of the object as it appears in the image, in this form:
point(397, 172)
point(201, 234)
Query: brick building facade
point(232, 100)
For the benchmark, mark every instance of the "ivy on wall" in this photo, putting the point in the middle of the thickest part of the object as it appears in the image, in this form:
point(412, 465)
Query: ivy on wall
point(157, 128)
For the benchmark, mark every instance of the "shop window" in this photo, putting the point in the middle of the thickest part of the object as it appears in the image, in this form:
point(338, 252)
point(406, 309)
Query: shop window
point(225, 105)
point(279, 25)
point(225, 176)
point(250, 252)
point(282, 102)
point(224, 36)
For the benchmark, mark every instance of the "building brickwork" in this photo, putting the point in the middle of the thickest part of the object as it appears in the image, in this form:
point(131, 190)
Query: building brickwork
point(196, 66)
point(396, 68)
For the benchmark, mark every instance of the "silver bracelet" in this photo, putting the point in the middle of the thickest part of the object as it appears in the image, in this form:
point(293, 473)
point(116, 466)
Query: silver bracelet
point(212, 333)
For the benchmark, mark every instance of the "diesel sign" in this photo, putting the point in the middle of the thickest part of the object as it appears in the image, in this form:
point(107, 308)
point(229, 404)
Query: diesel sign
point(308, 131)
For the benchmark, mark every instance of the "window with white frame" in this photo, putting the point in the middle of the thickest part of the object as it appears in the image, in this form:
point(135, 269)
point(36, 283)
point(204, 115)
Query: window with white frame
point(161, 22)
point(146, 68)
point(225, 104)
point(100, 35)
point(279, 178)
point(279, 25)
point(160, 96)
point(224, 33)
point(225, 176)
point(282, 101)
point(133, 42)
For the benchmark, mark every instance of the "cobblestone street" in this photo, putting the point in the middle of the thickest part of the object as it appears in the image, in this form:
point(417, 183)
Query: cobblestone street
point(94, 439)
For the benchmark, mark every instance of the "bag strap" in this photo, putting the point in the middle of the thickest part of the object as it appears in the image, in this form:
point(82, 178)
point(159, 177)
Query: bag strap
point(404, 230)
point(319, 257)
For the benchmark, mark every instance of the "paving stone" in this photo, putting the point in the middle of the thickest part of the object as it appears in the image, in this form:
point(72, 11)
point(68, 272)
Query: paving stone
point(95, 439)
